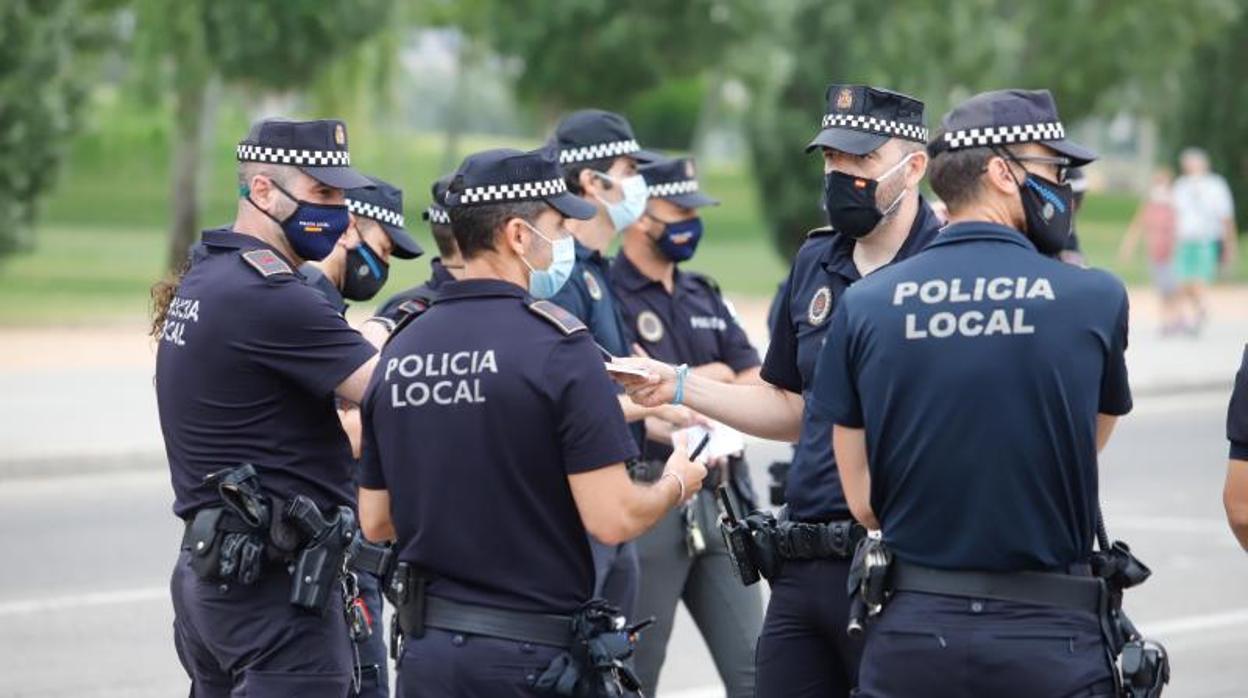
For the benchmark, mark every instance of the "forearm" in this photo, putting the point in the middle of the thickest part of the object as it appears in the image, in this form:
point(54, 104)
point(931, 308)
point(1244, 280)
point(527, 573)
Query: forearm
point(1235, 499)
point(850, 447)
point(645, 505)
point(759, 409)
point(632, 411)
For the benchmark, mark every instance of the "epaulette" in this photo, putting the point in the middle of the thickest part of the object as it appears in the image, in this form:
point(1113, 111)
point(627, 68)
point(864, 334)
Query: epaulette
point(819, 232)
point(413, 306)
point(557, 316)
point(267, 263)
point(705, 281)
point(401, 325)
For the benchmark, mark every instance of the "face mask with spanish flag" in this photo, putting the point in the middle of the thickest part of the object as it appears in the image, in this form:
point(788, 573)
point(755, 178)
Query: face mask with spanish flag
point(849, 201)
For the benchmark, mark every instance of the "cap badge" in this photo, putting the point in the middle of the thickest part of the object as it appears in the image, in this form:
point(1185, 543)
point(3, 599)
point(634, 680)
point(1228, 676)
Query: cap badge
point(844, 99)
point(340, 134)
point(820, 304)
point(689, 172)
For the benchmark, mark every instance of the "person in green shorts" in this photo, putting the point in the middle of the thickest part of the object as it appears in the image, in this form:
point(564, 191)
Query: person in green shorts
point(1205, 215)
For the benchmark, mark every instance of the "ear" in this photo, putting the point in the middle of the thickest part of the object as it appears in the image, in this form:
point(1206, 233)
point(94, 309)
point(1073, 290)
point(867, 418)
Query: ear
point(515, 236)
point(916, 169)
point(1000, 177)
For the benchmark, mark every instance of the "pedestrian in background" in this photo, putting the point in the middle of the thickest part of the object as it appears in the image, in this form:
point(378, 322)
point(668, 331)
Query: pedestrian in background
point(1154, 222)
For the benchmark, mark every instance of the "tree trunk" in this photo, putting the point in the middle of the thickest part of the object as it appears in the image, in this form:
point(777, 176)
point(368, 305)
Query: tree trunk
point(189, 100)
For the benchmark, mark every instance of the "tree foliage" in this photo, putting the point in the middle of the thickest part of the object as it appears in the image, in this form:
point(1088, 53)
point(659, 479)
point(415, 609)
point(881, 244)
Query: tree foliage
point(45, 73)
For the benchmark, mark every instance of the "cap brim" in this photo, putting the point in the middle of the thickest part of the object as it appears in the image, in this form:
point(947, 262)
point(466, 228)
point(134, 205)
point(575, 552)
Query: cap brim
point(847, 141)
point(405, 247)
point(1079, 155)
point(572, 206)
point(339, 177)
point(693, 200)
point(646, 157)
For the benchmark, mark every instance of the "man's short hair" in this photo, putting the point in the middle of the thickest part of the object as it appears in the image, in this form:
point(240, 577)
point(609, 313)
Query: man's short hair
point(572, 172)
point(284, 175)
point(444, 238)
point(476, 226)
point(956, 175)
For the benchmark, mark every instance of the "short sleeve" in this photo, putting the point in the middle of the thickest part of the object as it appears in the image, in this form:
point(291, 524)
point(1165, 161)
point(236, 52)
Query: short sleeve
point(592, 431)
point(296, 333)
point(1115, 388)
point(734, 345)
point(1237, 413)
point(835, 393)
point(1225, 202)
point(780, 365)
point(371, 476)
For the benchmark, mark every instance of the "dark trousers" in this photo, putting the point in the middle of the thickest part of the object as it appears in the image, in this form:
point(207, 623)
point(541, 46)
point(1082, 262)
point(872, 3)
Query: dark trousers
point(617, 574)
point(949, 647)
point(374, 670)
point(444, 663)
point(248, 641)
point(804, 650)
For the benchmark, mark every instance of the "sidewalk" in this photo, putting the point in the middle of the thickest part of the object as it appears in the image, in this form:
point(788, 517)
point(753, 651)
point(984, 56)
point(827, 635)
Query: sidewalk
point(79, 399)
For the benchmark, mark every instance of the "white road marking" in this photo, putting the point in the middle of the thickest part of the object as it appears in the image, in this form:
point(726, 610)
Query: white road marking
point(697, 692)
point(1193, 624)
point(1171, 524)
point(76, 601)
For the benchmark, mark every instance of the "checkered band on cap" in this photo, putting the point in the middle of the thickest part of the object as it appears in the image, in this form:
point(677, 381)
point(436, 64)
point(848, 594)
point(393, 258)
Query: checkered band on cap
point(375, 212)
point(884, 127)
point(437, 214)
point(514, 191)
point(293, 156)
point(997, 135)
point(598, 151)
point(664, 189)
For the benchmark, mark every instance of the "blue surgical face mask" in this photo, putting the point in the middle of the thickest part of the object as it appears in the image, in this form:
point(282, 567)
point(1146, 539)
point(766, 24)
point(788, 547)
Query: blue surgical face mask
point(544, 283)
point(312, 229)
point(679, 240)
point(631, 205)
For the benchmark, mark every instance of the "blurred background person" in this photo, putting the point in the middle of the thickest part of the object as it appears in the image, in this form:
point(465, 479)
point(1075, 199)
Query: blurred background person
point(1205, 215)
point(1154, 222)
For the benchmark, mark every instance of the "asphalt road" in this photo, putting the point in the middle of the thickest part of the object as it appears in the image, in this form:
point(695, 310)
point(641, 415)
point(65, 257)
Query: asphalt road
point(84, 607)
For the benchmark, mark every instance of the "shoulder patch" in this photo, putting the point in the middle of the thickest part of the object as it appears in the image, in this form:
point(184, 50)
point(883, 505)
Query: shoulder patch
point(817, 232)
point(412, 307)
point(706, 281)
point(267, 263)
point(557, 316)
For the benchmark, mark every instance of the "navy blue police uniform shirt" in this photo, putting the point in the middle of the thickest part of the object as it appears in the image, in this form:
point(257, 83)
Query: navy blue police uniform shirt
point(691, 325)
point(822, 271)
point(587, 295)
point(1237, 413)
point(977, 370)
point(315, 278)
point(246, 370)
point(477, 414)
point(417, 299)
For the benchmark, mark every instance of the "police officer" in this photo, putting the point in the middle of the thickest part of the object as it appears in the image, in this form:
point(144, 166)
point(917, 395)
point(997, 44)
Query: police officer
point(359, 265)
point(249, 360)
point(599, 155)
point(444, 268)
point(356, 270)
point(1235, 494)
point(971, 388)
point(494, 442)
point(872, 143)
point(679, 317)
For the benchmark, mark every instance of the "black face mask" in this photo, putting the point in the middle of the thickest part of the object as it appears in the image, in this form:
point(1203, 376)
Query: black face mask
point(850, 201)
point(365, 273)
point(1048, 209)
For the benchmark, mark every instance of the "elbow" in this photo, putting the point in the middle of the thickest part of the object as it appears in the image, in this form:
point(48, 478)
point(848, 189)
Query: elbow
point(1237, 517)
point(617, 532)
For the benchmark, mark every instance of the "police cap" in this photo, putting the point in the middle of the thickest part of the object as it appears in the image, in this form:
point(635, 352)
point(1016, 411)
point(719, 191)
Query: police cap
point(860, 118)
point(593, 134)
point(384, 204)
point(506, 175)
point(675, 180)
point(317, 148)
point(436, 212)
point(1004, 117)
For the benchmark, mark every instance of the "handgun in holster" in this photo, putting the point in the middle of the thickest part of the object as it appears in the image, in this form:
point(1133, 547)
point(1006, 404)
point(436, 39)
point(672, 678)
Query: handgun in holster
point(867, 582)
point(321, 562)
point(406, 592)
point(738, 539)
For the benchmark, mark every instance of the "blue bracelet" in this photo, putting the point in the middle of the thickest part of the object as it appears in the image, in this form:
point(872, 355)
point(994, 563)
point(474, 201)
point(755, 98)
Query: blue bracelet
point(682, 372)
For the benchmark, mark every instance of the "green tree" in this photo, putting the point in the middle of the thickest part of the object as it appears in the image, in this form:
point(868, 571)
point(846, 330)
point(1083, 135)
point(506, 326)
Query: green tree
point(262, 46)
point(46, 47)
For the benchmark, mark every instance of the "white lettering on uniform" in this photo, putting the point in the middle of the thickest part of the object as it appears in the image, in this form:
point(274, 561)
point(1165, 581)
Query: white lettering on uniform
point(179, 313)
point(984, 322)
point(464, 366)
point(708, 323)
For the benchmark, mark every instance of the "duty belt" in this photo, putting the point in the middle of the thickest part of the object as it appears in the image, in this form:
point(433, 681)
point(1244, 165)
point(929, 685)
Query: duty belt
point(1072, 591)
point(537, 628)
point(795, 540)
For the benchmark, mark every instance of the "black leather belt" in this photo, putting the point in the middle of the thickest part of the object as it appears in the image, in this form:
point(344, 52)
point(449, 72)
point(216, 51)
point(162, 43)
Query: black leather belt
point(796, 540)
point(1080, 593)
point(537, 628)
